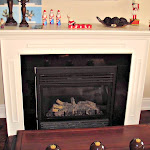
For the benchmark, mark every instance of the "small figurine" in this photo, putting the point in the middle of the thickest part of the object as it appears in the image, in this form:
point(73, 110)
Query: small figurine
point(58, 18)
point(97, 146)
point(53, 147)
point(2, 23)
point(70, 21)
point(136, 144)
point(51, 17)
point(44, 18)
point(135, 6)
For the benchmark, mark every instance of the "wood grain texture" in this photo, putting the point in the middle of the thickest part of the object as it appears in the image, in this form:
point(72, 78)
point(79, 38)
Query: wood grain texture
point(145, 115)
point(80, 139)
point(3, 133)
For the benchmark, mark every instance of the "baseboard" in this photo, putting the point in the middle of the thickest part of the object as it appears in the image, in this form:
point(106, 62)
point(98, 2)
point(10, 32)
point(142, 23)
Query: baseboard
point(146, 104)
point(2, 111)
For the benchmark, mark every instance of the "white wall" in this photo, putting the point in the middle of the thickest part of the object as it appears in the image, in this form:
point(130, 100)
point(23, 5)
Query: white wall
point(85, 11)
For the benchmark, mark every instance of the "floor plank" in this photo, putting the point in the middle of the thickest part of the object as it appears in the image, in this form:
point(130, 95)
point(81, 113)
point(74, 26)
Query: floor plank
point(3, 132)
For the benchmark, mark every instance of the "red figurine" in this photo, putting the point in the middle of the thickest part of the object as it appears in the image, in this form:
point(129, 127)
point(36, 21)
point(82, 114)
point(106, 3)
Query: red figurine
point(51, 17)
point(70, 21)
point(73, 25)
point(44, 18)
point(58, 18)
point(135, 6)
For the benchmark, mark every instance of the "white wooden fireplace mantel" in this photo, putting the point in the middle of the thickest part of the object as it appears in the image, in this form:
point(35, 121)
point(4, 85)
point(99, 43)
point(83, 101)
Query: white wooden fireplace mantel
point(15, 41)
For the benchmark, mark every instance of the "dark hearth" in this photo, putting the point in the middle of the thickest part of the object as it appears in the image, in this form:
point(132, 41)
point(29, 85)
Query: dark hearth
point(99, 92)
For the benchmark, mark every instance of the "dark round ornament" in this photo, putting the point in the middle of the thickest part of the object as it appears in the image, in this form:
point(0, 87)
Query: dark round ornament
point(107, 21)
point(97, 146)
point(136, 144)
point(53, 147)
point(115, 21)
point(122, 21)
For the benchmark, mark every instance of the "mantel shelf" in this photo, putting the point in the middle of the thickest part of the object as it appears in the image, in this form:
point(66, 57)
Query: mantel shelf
point(98, 29)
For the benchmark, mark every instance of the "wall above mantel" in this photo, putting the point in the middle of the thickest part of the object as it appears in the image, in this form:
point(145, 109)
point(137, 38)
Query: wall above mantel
point(86, 10)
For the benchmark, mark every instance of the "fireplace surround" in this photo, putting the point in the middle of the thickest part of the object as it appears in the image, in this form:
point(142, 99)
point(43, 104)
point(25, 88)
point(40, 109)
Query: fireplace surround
point(14, 43)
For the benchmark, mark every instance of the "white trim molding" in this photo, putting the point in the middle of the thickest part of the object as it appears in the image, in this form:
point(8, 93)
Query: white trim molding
point(53, 40)
point(146, 104)
point(2, 111)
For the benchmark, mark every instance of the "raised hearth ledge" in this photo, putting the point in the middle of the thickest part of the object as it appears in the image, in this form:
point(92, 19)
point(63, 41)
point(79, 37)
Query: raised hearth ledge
point(15, 41)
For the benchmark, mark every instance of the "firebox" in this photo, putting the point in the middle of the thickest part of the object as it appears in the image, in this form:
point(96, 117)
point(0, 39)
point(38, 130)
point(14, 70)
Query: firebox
point(75, 97)
point(74, 90)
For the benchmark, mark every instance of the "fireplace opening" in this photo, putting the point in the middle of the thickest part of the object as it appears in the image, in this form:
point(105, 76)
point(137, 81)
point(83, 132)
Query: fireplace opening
point(75, 94)
point(74, 91)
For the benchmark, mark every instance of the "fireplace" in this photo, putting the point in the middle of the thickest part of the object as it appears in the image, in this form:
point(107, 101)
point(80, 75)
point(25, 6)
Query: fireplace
point(98, 41)
point(78, 96)
point(74, 91)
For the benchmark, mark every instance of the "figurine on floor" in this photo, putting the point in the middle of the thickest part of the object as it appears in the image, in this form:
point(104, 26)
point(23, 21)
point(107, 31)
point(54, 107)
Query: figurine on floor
point(44, 18)
point(58, 18)
point(51, 17)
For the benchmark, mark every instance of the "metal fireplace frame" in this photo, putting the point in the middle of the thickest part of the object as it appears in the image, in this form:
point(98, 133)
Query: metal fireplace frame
point(56, 76)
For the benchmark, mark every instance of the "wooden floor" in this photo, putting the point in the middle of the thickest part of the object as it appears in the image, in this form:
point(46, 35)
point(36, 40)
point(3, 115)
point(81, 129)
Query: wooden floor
point(145, 119)
point(3, 133)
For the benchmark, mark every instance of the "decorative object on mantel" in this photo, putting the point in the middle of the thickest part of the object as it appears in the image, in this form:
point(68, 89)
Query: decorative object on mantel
point(37, 27)
point(23, 10)
point(10, 20)
point(33, 11)
point(135, 7)
point(97, 146)
point(58, 18)
point(70, 21)
point(72, 25)
point(136, 144)
point(2, 23)
point(44, 18)
point(53, 147)
point(114, 22)
point(51, 17)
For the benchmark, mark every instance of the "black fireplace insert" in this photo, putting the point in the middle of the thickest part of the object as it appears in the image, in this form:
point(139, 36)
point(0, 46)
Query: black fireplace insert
point(77, 96)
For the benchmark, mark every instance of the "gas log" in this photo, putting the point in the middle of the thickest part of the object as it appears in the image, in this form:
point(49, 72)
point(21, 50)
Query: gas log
point(73, 109)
